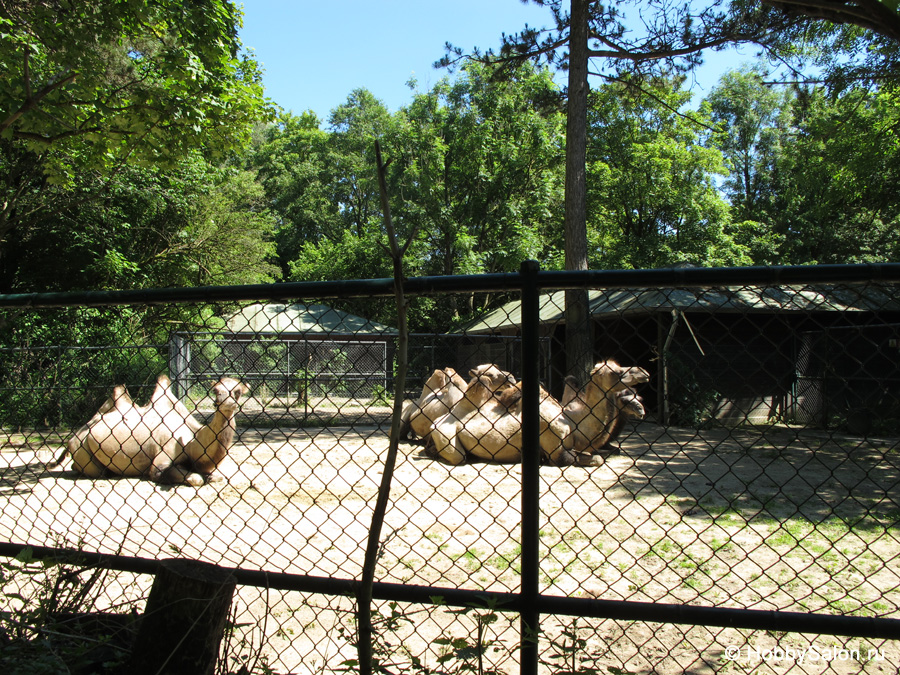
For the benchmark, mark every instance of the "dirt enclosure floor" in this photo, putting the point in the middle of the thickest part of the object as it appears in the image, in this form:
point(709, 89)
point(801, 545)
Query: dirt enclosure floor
point(776, 518)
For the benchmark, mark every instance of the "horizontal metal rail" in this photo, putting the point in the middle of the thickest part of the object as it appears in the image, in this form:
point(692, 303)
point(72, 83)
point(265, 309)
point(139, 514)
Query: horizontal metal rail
point(623, 610)
point(356, 288)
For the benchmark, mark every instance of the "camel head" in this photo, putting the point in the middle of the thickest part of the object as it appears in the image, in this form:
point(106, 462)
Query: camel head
point(609, 376)
point(487, 381)
point(228, 391)
point(631, 404)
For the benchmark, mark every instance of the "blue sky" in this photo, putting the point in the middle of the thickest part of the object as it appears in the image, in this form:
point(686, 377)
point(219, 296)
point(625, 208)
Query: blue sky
point(314, 53)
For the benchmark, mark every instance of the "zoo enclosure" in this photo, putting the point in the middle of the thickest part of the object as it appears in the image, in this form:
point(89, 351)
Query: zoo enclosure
point(304, 367)
point(528, 600)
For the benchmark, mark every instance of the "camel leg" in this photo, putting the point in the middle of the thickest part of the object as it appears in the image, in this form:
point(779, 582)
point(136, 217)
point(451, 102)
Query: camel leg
point(452, 453)
point(405, 426)
point(162, 463)
point(84, 462)
point(182, 475)
point(587, 459)
point(560, 457)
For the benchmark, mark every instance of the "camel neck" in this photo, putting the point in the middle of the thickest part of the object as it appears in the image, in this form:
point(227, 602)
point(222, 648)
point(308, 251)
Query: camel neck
point(223, 425)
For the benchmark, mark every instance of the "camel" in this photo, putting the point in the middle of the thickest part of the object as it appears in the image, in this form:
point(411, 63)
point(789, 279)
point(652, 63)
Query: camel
point(442, 439)
point(593, 410)
point(161, 440)
point(487, 422)
point(494, 430)
point(441, 392)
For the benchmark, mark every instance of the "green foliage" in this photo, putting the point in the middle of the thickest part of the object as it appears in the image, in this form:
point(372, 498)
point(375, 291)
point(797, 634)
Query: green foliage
point(484, 170)
point(691, 402)
point(752, 121)
point(456, 655)
point(651, 197)
point(293, 166)
point(58, 366)
point(93, 90)
point(57, 370)
point(266, 355)
point(96, 82)
point(194, 224)
point(570, 654)
point(475, 176)
point(466, 654)
point(100, 190)
point(380, 395)
point(45, 625)
point(836, 197)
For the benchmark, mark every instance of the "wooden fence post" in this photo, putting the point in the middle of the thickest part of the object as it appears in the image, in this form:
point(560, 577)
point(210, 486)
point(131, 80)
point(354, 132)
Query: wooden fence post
point(185, 619)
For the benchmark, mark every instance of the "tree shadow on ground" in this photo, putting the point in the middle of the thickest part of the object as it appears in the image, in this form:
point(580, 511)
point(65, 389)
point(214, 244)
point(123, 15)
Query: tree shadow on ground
point(770, 473)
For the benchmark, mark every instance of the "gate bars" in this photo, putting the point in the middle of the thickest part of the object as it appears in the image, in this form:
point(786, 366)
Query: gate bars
point(529, 603)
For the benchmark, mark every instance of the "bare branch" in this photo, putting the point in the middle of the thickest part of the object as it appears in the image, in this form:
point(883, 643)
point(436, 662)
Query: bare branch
point(663, 103)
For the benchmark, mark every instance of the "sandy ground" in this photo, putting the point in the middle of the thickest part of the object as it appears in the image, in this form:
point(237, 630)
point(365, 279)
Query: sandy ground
point(763, 519)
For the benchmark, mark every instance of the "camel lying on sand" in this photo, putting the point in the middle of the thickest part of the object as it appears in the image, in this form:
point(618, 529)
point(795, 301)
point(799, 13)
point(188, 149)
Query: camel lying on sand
point(441, 392)
point(595, 409)
point(161, 440)
point(442, 439)
point(487, 420)
point(494, 431)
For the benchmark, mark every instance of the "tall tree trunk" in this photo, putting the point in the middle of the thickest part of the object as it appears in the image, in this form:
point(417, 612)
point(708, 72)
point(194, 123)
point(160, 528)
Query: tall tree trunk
point(579, 347)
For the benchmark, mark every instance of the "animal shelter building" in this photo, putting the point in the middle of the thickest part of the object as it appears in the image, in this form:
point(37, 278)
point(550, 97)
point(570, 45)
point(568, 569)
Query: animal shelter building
point(811, 354)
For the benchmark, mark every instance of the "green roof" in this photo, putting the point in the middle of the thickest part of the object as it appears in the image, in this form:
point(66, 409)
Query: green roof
point(743, 299)
point(300, 318)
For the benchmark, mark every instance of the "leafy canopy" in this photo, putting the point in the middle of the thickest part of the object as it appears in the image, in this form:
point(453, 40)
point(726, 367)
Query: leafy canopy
point(146, 80)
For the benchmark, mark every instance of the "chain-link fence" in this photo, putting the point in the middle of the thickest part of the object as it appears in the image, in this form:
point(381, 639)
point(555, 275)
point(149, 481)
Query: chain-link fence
point(718, 489)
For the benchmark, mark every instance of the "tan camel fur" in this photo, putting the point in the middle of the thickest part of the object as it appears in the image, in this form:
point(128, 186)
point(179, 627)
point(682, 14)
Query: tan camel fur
point(627, 404)
point(486, 380)
point(494, 430)
point(162, 440)
point(441, 392)
point(120, 400)
point(592, 410)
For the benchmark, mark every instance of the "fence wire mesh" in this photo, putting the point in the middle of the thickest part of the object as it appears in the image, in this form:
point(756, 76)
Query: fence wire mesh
point(733, 447)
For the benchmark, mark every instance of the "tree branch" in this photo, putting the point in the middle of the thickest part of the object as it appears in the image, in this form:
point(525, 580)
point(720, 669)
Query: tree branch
point(870, 14)
point(364, 601)
point(32, 102)
point(656, 98)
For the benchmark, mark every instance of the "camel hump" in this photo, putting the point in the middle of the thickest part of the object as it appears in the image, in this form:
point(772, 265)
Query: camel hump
point(436, 382)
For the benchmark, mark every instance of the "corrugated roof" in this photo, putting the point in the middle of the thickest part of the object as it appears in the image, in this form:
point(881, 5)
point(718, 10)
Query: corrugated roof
point(743, 299)
point(300, 318)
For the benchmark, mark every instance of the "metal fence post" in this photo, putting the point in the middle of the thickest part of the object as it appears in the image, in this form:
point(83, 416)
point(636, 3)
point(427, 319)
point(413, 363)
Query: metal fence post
point(531, 459)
